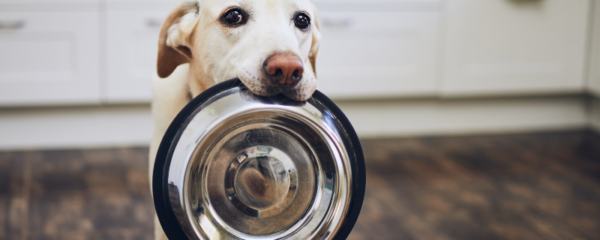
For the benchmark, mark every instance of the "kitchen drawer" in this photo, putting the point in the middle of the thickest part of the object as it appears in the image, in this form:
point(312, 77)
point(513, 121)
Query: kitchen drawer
point(145, 6)
point(49, 58)
point(132, 44)
point(515, 47)
point(47, 1)
point(378, 49)
point(49, 5)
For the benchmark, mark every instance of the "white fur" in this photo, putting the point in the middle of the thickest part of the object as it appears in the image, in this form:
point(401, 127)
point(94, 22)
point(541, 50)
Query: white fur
point(170, 95)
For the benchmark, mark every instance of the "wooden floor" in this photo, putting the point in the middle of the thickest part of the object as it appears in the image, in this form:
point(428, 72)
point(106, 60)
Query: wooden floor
point(527, 186)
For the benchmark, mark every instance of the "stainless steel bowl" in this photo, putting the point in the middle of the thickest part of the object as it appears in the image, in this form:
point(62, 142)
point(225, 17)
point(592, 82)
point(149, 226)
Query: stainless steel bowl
point(233, 165)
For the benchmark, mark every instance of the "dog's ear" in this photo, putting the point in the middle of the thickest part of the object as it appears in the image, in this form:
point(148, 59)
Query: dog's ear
point(316, 39)
point(173, 41)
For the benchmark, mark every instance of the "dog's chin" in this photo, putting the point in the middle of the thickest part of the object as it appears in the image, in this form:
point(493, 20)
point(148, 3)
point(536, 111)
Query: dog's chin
point(301, 92)
point(297, 94)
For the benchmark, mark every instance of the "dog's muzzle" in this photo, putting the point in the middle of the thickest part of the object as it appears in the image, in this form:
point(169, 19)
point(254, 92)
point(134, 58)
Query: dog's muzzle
point(236, 166)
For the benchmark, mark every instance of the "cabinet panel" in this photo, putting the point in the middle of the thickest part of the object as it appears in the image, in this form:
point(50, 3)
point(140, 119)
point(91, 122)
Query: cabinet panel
point(132, 28)
point(509, 46)
point(594, 74)
point(45, 1)
point(132, 42)
point(379, 52)
point(49, 58)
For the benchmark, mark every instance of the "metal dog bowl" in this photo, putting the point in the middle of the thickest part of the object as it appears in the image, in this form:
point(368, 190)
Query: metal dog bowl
point(236, 166)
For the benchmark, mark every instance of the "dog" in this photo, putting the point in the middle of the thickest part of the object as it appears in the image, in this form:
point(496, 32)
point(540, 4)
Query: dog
point(270, 45)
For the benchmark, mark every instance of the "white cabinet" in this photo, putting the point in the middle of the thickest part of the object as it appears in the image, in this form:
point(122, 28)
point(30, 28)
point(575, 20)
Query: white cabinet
point(514, 47)
point(47, 1)
point(49, 58)
point(65, 52)
point(594, 73)
point(132, 29)
point(132, 42)
point(378, 48)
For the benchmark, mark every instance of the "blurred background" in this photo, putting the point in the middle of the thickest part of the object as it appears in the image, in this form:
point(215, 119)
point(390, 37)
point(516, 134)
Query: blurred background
point(479, 118)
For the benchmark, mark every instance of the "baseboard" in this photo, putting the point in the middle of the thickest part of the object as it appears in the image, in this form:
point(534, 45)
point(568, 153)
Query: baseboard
point(467, 116)
point(75, 127)
point(110, 126)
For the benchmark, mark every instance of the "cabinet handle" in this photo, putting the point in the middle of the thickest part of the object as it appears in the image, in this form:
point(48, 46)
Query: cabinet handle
point(336, 22)
point(153, 22)
point(13, 25)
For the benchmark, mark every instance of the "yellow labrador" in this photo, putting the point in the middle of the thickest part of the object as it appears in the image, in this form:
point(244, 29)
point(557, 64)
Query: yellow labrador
point(270, 45)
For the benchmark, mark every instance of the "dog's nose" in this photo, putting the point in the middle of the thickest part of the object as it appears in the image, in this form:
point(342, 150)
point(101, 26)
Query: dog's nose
point(284, 68)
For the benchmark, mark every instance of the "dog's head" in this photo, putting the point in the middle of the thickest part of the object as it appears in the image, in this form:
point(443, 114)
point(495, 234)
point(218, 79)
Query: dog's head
point(270, 45)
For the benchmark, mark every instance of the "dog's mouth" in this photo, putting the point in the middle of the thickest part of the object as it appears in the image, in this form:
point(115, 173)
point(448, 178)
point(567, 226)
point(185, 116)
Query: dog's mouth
point(272, 96)
point(264, 88)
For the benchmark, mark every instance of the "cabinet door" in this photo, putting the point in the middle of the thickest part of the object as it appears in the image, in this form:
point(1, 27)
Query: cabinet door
point(46, 1)
point(512, 47)
point(49, 58)
point(132, 28)
point(132, 39)
point(594, 74)
point(374, 49)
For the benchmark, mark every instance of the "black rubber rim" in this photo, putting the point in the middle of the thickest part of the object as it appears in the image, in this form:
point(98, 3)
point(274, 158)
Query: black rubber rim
point(165, 214)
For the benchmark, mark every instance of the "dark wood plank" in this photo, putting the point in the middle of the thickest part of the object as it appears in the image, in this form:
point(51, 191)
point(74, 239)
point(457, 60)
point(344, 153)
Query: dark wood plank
point(90, 194)
point(517, 186)
point(533, 186)
point(15, 185)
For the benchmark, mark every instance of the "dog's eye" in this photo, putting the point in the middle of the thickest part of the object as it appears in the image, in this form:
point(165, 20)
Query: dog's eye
point(302, 22)
point(234, 17)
